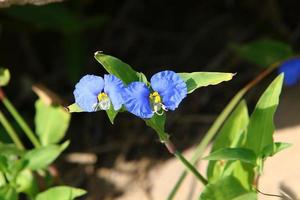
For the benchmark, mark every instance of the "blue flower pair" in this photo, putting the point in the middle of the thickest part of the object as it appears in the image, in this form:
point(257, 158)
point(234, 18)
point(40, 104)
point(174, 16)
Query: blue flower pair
point(93, 93)
point(291, 70)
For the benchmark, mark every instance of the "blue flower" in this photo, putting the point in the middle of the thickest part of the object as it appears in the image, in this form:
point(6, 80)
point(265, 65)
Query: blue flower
point(291, 70)
point(168, 90)
point(92, 93)
point(136, 97)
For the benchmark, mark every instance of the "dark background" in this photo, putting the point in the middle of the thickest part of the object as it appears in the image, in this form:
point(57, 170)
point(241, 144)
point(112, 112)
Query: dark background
point(54, 45)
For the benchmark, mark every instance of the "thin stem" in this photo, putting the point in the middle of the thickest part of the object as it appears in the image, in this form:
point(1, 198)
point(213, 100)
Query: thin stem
point(11, 132)
point(171, 148)
point(190, 167)
point(9, 106)
point(272, 195)
point(218, 123)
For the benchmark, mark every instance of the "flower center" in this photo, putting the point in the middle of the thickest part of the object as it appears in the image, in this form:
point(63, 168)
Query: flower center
point(103, 102)
point(156, 103)
point(155, 97)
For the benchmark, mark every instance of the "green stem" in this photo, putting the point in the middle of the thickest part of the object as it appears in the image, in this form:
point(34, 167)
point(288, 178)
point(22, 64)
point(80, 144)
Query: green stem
point(171, 148)
point(20, 121)
point(190, 167)
point(11, 132)
point(218, 123)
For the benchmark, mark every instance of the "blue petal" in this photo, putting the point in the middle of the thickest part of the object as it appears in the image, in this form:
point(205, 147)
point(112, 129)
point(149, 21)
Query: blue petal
point(114, 87)
point(291, 70)
point(170, 87)
point(136, 97)
point(87, 90)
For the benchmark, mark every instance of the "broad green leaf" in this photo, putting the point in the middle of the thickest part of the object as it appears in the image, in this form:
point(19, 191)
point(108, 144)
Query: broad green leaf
point(196, 80)
point(7, 192)
point(60, 193)
point(4, 76)
point(242, 154)
point(230, 135)
point(234, 126)
point(40, 158)
point(261, 126)
point(265, 52)
point(117, 67)
point(226, 188)
point(51, 122)
point(74, 108)
point(247, 196)
point(272, 149)
point(157, 122)
point(27, 183)
point(244, 172)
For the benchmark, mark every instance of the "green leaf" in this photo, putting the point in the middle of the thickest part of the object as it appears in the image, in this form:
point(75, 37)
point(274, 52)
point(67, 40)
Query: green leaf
point(51, 122)
point(247, 196)
point(265, 52)
point(231, 132)
point(157, 122)
point(117, 67)
point(271, 150)
point(60, 193)
point(231, 135)
point(27, 183)
point(40, 158)
point(7, 192)
point(226, 188)
point(261, 125)
point(74, 108)
point(242, 154)
point(196, 80)
point(4, 76)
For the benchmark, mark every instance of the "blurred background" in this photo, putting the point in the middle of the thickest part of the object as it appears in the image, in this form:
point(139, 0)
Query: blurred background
point(54, 45)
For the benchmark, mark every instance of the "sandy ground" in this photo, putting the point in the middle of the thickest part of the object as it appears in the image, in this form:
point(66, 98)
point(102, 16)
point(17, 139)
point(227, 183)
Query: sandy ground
point(281, 173)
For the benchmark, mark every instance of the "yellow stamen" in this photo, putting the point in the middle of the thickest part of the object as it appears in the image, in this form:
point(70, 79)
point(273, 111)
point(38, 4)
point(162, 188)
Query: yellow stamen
point(102, 96)
point(155, 97)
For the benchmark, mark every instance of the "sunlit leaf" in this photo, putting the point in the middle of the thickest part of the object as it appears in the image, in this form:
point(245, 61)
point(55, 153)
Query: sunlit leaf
point(40, 158)
point(196, 80)
point(242, 154)
point(261, 125)
point(273, 149)
point(231, 135)
point(74, 108)
point(226, 188)
point(247, 196)
point(60, 193)
point(51, 122)
point(4, 77)
point(27, 183)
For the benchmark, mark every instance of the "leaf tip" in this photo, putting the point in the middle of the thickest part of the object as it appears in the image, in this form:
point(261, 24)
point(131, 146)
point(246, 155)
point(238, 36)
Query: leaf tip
point(97, 53)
